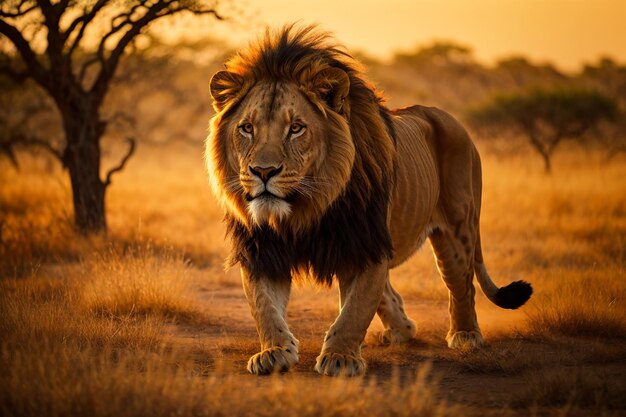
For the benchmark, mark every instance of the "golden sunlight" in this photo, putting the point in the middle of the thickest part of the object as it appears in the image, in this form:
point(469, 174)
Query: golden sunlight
point(562, 32)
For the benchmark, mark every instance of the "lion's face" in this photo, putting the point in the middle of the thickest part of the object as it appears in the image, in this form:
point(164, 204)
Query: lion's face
point(278, 139)
point(288, 154)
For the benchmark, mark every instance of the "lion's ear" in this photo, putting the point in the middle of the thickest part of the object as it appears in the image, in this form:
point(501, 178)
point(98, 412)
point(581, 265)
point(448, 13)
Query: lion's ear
point(331, 85)
point(225, 86)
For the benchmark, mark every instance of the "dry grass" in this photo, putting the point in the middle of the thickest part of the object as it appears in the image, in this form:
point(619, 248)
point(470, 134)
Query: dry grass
point(151, 384)
point(135, 323)
point(565, 233)
point(38, 312)
point(513, 357)
point(161, 199)
point(137, 282)
point(88, 340)
point(589, 304)
point(574, 387)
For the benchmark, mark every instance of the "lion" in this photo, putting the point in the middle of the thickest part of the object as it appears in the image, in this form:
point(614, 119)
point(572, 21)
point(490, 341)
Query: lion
point(318, 178)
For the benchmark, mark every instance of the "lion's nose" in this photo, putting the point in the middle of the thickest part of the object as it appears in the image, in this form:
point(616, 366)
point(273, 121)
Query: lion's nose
point(265, 173)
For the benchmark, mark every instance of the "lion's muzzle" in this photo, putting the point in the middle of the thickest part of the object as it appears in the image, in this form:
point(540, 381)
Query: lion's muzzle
point(265, 173)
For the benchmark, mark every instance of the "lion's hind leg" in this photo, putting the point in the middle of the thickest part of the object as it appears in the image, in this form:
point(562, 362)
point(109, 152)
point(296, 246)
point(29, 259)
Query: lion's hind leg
point(455, 258)
point(398, 327)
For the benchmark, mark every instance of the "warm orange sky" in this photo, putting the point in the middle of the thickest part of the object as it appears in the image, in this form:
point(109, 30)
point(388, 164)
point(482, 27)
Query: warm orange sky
point(565, 32)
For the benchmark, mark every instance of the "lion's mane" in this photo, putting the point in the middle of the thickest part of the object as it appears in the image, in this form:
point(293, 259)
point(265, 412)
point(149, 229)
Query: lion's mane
point(342, 236)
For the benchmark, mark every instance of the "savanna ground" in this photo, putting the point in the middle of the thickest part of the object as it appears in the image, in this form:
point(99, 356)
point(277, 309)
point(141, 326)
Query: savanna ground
point(146, 322)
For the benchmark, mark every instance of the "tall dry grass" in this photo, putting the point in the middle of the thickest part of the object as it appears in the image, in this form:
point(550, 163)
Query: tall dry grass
point(161, 199)
point(118, 299)
point(80, 383)
point(586, 304)
point(566, 233)
point(138, 281)
point(89, 339)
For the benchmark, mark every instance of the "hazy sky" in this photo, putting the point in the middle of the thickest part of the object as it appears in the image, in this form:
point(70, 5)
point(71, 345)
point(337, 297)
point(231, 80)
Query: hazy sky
point(565, 32)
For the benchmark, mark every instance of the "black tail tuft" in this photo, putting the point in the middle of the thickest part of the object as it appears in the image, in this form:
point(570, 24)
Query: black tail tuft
point(514, 295)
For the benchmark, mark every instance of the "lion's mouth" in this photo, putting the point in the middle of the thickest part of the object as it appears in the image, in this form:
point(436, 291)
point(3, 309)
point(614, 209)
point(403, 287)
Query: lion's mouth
point(268, 195)
point(264, 194)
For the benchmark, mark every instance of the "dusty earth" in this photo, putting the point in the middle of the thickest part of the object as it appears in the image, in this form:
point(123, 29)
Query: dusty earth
point(496, 378)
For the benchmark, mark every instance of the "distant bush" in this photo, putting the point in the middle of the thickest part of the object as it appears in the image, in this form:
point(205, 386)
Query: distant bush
point(546, 116)
point(438, 53)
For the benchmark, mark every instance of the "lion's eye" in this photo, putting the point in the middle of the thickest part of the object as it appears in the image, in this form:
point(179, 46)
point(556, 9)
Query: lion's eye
point(246, 128)
point(296, 129)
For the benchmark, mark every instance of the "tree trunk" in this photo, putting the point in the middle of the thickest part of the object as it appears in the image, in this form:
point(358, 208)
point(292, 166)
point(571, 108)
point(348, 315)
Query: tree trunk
point(547, 164)
point(82, 159)
point(546, 154)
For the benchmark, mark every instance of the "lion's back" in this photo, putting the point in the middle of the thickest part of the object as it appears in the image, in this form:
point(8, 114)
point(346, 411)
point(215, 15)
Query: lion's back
point(427, 140)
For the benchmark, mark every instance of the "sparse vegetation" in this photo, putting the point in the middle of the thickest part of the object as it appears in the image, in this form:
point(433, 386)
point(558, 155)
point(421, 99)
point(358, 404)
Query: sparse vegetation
point(546, 117)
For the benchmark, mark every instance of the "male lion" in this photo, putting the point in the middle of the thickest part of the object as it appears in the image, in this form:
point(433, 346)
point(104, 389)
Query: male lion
point(318, 177)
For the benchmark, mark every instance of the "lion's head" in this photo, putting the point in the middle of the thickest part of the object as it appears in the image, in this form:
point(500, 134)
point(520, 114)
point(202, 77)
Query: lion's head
point(299, 136)
point(286, 153)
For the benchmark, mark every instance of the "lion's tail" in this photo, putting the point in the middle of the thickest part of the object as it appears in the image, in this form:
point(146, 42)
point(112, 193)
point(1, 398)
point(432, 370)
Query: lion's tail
point(511, 296)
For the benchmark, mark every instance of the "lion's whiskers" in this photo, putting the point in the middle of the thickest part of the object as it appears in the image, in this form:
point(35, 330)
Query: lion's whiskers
point(233, 183)
point(308, 186)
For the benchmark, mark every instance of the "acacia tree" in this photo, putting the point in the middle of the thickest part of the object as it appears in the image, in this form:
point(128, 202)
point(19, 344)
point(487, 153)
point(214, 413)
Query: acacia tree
point(51, 38)
point(546, 116)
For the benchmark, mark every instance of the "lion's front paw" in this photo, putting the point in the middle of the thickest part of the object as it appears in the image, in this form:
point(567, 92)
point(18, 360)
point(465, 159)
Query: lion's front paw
point(399, 335)
point(334, 364)
point(465, 340)
point(274, 359)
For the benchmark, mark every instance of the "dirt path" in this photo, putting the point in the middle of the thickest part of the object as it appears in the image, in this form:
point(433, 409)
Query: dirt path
point(490, 379)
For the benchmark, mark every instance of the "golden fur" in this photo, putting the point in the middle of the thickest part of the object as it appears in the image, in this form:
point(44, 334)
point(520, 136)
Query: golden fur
point(317, 176)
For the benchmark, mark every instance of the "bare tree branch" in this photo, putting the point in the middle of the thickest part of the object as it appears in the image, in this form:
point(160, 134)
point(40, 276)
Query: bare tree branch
point(20, 139)
point(32, 141)
point(122, 117)
point(18, 12)
point(83, 21)
point(27, 54)
point(159, 9)
point(136, 26)
point(85, 67)
point(131, 150)
point(47, 9)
